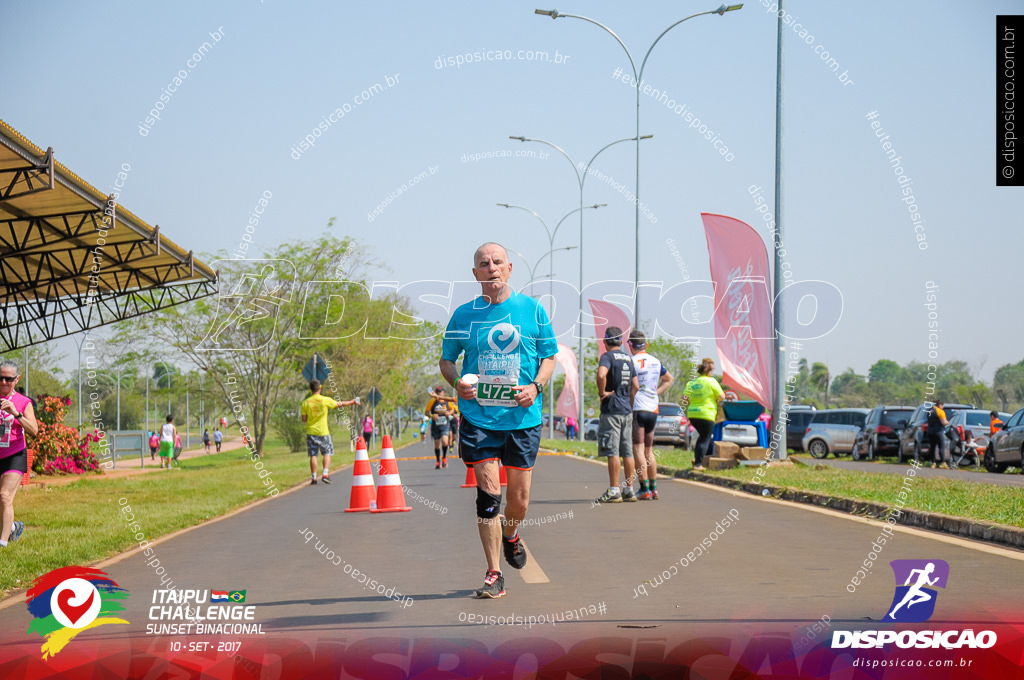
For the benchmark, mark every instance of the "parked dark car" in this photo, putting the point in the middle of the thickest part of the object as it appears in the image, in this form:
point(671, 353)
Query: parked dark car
point(967, 426)
point(1007, 446)
point(881, 433)
point(912, 436)
point(833, 431)
point(796, 426)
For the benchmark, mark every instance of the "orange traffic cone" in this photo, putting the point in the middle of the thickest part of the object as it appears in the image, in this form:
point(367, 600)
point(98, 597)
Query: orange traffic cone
point(364, 495)
point(470, 478)
point(392, 497)
point(502, 475)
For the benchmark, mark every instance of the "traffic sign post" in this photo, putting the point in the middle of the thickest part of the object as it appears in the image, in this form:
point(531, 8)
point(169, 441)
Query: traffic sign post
point(316, 368)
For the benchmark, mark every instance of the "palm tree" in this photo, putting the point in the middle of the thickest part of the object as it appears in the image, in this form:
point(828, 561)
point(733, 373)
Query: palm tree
point(821, 378)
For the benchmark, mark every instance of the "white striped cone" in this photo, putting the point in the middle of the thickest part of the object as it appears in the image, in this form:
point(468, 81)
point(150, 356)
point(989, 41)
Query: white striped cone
point(392, 497)
point(364, 495)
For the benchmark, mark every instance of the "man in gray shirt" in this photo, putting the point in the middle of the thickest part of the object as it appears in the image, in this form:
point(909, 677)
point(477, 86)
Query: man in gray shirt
point(616, 385)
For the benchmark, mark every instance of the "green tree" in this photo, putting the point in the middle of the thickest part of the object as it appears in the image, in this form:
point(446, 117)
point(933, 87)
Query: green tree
point(885, 371)
point(820, 378)
point(252, 342)
point(680, 360)
point(1008, 385)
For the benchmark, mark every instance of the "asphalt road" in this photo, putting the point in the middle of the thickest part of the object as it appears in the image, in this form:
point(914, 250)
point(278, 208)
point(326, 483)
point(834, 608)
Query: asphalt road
point(778, 563)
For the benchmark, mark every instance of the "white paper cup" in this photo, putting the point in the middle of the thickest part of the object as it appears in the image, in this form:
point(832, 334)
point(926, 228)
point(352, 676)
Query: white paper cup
point(471, 379)
point(357, 401)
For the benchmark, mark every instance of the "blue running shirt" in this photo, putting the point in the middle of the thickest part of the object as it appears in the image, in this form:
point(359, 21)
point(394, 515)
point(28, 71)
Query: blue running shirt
point(503, 344)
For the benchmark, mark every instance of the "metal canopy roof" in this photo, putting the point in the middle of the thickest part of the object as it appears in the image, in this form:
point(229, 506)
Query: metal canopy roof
point(71, 259)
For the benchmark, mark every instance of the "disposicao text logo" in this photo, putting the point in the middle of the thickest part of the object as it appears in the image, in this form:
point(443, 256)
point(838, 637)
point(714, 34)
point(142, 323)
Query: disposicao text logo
point(69, 600)
point(914, 601)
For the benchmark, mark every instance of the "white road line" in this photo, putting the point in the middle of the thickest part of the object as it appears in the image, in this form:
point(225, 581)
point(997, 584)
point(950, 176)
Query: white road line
point(531, 572)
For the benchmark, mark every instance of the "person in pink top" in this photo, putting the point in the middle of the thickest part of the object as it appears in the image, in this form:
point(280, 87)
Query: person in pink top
point(368, 431)
point(17, 419)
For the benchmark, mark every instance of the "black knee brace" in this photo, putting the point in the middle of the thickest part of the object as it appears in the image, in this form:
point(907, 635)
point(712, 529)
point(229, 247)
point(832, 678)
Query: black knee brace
point(487, 505)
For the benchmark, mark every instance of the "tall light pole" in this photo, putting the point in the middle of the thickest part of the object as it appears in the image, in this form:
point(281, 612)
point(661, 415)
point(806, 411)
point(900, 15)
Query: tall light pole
point(167, 374)
point(187, 444)
point(80, 343)
point(581, 180)
point(551, 275)
point(780, 410)
point(533, 276)
point(637, 77)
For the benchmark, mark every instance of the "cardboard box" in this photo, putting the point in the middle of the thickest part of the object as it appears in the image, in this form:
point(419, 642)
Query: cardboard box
point(752, 453)
point(721, 463)
point(727, 450)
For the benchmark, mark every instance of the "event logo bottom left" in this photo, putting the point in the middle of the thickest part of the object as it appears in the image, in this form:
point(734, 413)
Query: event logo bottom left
point(69, 600)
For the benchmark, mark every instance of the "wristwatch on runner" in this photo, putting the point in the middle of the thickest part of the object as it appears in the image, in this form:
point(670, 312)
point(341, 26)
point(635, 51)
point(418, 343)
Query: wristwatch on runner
point(540, 388)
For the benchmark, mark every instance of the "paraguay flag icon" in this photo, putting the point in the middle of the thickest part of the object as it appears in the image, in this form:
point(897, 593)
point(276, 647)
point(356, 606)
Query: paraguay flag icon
point(218, 596)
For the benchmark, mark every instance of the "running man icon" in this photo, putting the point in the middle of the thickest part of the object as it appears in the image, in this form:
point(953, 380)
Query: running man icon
point(916, 575)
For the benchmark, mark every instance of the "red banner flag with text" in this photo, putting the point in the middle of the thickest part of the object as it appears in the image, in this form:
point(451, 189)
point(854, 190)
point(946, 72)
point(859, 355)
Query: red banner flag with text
point(739, 270)
point(607, 314)
point(568, 400)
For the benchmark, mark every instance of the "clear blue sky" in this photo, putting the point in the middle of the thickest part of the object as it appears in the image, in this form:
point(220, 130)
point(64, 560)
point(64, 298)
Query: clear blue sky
point(81, 77)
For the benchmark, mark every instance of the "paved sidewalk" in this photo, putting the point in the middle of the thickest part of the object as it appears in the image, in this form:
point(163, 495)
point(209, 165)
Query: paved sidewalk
point(132, 466)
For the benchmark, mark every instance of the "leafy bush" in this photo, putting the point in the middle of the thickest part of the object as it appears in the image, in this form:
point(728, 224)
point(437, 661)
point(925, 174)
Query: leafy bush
point(57, 449)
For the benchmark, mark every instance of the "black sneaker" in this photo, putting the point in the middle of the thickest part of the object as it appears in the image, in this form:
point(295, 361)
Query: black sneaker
point(610, 497)
point(16, 531)
point(312, 481)
point(628, 496)
point(515, 553)
point(494, 585)
point(326, 479)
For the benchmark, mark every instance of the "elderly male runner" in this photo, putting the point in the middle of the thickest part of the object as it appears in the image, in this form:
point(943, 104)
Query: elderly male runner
point(508, 343)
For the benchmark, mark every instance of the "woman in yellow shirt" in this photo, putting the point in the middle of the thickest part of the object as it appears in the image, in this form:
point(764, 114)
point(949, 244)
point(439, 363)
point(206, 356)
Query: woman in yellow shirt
point(702, 396)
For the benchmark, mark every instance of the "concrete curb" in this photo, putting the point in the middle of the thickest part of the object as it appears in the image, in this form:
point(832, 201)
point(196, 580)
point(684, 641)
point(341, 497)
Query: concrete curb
point(998, 534)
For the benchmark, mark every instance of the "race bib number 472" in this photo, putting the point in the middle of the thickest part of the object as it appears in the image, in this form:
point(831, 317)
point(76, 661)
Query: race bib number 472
point(495, 394)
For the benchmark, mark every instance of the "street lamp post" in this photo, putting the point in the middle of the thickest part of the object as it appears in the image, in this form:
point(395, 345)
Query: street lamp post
point(581, 180)
point(187, 440)
point(167, 374)
point(780, 410)
point(551, 275)
point(637, 80)
point(85, 337)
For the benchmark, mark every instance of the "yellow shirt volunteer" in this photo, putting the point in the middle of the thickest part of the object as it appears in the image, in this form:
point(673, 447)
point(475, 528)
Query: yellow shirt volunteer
point(704, 393)
point(315, 409)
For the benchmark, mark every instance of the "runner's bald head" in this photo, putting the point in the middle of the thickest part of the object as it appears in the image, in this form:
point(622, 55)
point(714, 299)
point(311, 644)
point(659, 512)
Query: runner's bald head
point(476, 253)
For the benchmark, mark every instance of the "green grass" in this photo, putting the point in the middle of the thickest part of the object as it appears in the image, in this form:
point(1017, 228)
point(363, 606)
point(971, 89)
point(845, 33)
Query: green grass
point(978, 501)
point(973, 500)
point(82, 522)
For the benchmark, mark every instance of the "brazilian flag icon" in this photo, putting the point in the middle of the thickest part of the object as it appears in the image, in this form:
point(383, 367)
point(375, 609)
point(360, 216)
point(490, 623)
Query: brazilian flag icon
point(237, 596)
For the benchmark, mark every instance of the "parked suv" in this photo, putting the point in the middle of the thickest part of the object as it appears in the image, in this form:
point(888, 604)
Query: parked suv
point(833, 431)
point(672, 426)
point(799, 418)
point(912, 436)
point(1007, 446)
point(881, 433)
